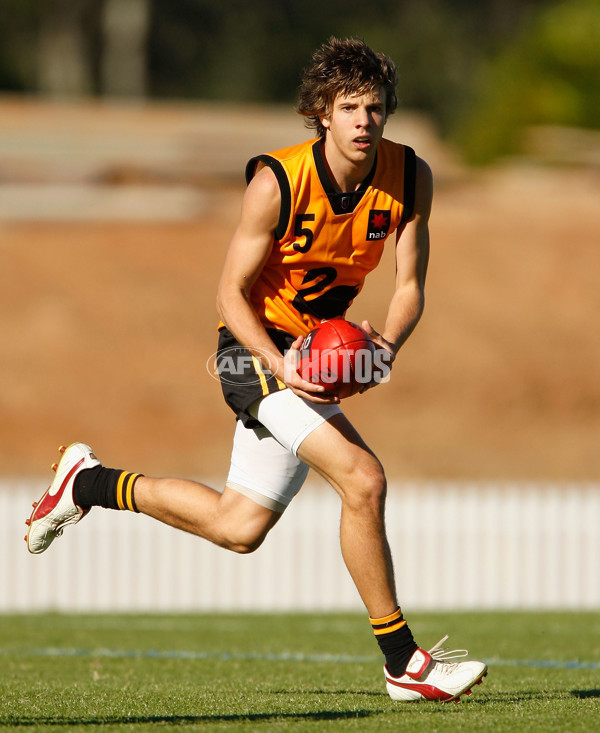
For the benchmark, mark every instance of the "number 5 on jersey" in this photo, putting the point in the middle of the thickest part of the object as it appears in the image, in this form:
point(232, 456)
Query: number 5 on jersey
point(302, 231)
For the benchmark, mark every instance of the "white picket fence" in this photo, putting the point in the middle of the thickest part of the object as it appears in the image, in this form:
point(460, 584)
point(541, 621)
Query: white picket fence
point(455, 546)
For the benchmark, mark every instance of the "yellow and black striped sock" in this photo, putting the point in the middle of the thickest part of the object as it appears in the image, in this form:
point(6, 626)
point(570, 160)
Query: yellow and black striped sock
point(125, 486)
point(395, 640)
point(107, 487)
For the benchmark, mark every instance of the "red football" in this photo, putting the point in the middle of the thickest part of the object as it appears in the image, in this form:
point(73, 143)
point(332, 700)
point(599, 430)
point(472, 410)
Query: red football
point(337, 354)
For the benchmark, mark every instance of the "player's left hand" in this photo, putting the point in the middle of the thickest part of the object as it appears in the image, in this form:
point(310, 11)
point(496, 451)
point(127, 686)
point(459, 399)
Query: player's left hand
point(383, 358)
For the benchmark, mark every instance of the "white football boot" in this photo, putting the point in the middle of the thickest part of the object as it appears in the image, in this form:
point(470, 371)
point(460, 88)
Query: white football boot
point(56, 509)
point(431, 676)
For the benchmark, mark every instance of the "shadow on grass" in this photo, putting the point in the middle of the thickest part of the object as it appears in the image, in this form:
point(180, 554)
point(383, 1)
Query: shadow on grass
point(336, 693)
point(488, 697)
point(583, 694)
point(181, 719)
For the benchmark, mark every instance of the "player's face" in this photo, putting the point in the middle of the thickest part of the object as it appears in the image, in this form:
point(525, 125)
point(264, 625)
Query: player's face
point(355, 125)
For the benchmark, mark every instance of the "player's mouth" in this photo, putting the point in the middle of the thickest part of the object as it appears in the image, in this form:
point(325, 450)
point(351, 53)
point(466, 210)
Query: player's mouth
point(362, 143)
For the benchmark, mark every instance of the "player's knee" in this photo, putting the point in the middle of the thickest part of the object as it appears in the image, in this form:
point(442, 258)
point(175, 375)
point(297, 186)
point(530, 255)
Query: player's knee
point(366, 488)
point(242, 542)
point(246, 547)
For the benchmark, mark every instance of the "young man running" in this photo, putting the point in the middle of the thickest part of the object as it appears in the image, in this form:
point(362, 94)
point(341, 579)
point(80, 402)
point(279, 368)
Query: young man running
point(314, 220)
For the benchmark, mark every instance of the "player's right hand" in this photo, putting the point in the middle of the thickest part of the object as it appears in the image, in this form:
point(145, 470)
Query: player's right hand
point(298, 385)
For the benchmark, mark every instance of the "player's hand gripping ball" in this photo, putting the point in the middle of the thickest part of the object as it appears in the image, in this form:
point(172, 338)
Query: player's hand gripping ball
point(338, 355)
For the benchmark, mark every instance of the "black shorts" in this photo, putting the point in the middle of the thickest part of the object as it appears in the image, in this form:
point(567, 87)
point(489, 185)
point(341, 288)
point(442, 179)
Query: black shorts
point(243, 379)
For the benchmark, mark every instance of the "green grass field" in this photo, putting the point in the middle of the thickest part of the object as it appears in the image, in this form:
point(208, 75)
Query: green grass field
point(315, 672)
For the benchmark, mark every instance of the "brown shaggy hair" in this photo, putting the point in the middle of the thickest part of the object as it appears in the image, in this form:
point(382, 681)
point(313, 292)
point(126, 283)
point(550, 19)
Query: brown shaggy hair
point(344, 66)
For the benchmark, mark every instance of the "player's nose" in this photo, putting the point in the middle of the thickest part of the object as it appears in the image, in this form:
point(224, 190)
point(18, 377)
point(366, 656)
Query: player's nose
point(362, 119)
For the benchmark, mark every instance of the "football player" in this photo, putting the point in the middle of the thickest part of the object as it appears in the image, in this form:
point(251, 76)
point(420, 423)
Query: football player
point(315, 218)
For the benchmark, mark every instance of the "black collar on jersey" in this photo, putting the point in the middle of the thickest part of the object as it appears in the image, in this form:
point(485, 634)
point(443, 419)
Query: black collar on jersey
point(341, 203)
point(345, 202)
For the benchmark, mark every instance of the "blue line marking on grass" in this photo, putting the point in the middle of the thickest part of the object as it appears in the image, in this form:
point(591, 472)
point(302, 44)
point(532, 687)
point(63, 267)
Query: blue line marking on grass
point(267, 657)
point(546, 663)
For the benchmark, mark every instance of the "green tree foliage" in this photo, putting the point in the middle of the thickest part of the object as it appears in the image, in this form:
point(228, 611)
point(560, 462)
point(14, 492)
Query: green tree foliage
point(549, 75)
point(19, 20)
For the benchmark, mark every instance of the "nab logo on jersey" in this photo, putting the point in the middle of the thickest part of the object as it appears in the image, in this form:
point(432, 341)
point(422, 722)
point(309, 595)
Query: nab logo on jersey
point(379, 224)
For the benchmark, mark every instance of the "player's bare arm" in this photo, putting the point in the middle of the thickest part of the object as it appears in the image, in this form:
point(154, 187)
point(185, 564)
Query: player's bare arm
point(412, 257)
point(248, 250)
point(246, 256)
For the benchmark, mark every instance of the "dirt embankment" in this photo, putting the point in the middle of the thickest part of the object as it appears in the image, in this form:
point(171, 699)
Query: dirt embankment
point(107, 318)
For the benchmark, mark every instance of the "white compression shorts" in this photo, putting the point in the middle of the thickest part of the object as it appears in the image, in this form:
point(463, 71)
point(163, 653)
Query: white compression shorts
point(264, 463)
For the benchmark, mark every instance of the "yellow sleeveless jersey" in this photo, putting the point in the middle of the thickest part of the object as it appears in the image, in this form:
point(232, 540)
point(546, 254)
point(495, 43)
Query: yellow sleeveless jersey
point(327, 242)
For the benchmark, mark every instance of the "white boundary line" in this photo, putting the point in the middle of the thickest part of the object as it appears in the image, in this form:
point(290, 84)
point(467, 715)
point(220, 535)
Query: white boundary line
point(274, 657)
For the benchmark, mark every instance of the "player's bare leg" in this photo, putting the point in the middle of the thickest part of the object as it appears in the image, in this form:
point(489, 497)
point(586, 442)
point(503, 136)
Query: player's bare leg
point(338, 453)
point(229, 520)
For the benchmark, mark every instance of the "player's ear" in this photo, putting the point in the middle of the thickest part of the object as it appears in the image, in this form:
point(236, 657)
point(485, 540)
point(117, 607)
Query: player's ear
point(325, 117)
